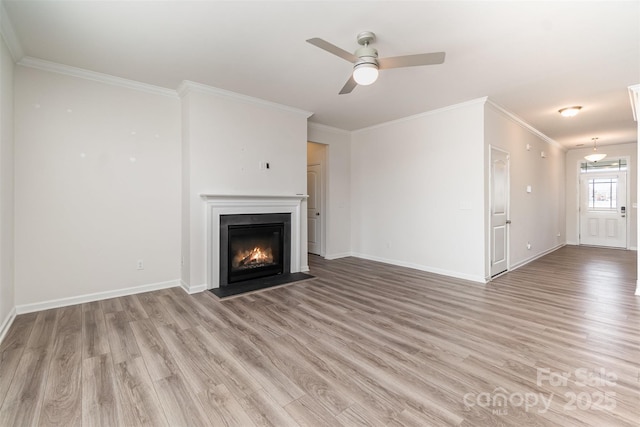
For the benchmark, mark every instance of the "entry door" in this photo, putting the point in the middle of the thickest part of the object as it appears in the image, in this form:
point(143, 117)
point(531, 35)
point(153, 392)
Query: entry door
point(499, 211)
point(314, 208)
point(603, 209)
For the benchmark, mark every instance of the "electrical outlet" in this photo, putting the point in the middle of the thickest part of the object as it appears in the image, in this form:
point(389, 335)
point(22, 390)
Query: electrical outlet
point(528, 246)
point(140, 264)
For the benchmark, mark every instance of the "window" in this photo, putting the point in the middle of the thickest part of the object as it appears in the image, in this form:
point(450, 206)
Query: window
point(610, 165)
point(602, 194)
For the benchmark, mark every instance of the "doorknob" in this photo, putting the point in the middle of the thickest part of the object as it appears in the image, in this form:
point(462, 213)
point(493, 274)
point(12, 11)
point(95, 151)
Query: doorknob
point(508, 221)
point(317, 213)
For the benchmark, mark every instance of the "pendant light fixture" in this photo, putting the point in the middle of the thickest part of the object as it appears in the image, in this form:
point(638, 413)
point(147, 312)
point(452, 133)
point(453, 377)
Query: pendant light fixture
point(595, 156)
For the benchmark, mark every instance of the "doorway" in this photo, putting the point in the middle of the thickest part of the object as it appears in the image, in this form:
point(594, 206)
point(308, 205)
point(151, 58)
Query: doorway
point(316, 155)
point(499, 203)
point(603, 203)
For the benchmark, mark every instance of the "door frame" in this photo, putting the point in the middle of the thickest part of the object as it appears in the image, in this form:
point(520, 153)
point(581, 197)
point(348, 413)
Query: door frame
point(489, 210)
point(323, 194)
point(628, 197)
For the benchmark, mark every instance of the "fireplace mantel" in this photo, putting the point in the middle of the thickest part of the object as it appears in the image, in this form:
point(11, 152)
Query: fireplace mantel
point(229, 204)
point(251, 198)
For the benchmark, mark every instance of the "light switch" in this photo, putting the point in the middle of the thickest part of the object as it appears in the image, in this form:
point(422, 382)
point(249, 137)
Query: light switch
point(528, 189)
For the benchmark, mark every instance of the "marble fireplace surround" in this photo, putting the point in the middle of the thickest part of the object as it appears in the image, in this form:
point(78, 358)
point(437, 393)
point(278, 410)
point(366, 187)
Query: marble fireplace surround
point(224, 204)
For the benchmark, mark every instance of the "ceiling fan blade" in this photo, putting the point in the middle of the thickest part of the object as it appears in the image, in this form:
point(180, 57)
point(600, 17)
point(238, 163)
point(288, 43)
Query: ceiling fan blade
point(324, 45)
point(348, 86)
point(411, 60)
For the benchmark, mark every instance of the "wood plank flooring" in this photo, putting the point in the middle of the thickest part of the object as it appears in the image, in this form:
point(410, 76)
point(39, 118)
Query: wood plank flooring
point(554, 343)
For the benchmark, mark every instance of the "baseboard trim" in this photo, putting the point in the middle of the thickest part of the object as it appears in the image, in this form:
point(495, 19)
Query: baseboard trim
point(6, 324)
point(448, 273)
point(63, 302)
point(535, 257)
point(193, 289)
point(337, 256)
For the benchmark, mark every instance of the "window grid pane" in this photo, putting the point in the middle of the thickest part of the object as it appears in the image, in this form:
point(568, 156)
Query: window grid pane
point(604, 166)
point(602, 193)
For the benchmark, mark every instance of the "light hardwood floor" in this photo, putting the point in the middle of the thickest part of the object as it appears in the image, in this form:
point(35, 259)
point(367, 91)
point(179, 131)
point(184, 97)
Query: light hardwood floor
point(362, 344)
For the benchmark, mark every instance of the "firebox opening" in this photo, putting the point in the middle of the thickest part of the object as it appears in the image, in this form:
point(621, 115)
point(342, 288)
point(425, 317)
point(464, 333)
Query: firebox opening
point(255, 251)
point(254, 247)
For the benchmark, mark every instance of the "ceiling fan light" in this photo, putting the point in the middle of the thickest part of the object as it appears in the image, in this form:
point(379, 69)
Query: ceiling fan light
point(365, 74)
point(570, 111)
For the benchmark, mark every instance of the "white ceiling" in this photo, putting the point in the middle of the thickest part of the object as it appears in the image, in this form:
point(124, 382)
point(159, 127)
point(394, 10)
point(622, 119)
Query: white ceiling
point(532, 58)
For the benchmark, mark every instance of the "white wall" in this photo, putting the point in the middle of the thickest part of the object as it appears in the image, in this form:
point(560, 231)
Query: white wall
point(227, 137)
point(574, 158)
point(537, 217)
point(337, 188)
point(97, 182)
point(185, 197)
point(418, 192)
point(7, 289)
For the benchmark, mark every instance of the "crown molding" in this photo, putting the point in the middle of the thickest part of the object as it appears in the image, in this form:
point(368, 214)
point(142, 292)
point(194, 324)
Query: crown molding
point(479, 101)
point(524, 124)
point(634, 97)
point(325, 128)
point(68, 70)
point(425, 114)
point(188, 86)
point(9, 35)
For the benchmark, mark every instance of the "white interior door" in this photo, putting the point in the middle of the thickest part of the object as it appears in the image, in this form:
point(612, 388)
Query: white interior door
point(499, 211)
point(603, 209)
point(314, 208)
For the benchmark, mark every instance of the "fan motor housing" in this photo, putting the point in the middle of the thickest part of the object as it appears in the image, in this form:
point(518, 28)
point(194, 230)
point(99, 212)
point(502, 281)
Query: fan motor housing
point(367, 55)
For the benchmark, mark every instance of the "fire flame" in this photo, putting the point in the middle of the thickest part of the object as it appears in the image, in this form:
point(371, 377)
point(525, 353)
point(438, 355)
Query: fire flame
point(255, 256)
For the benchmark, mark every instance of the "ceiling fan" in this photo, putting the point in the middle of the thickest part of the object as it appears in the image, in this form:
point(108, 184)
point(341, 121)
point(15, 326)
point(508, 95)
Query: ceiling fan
point(366, 61)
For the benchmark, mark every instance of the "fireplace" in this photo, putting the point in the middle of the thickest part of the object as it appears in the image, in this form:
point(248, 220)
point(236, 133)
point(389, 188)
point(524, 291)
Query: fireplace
point(239, 213)
point(254, 246)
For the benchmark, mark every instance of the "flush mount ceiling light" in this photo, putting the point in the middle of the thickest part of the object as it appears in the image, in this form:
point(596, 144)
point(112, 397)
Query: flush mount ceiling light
point(570, 111)
point(595, 157)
